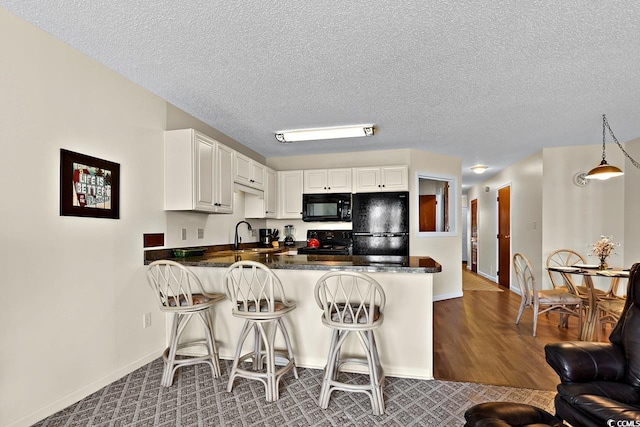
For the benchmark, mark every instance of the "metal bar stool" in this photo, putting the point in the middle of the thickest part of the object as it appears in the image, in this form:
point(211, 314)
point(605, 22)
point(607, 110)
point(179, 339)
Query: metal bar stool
point(257, 297)
point(180, 292)
point(351, 302)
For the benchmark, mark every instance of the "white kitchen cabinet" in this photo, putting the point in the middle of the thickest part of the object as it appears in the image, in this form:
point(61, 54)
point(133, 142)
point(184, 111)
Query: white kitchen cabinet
point(327, 181)
point(223, 183)
point(197, 173)
point(381, 178)
point(271, 193)
point(290, 186)
point(248, 172)
point(264, 205)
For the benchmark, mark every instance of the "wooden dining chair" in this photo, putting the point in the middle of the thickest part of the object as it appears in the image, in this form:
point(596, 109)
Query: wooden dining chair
point(608, 313)
point(541, 301)
point(568, 258)
point(609, 309)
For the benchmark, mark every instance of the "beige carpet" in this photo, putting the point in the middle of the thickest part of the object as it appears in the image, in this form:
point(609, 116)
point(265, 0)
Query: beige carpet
point(473, 282)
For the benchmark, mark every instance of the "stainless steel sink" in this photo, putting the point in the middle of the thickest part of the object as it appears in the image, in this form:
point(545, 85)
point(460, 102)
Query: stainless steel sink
point(247, 251)
point(257, 250)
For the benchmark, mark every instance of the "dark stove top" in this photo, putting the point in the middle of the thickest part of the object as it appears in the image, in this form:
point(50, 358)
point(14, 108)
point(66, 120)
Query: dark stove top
point(332, 242)
point(323, 251)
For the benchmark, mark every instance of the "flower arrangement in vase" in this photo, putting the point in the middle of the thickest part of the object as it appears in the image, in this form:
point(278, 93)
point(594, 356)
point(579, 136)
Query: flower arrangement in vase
point(603, 248)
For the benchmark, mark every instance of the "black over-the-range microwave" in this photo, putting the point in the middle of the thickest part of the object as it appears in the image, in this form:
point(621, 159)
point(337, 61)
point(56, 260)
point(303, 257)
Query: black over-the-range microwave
point(326, 207)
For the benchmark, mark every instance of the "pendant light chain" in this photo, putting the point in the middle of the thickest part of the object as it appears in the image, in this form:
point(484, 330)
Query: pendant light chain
point(605, 124)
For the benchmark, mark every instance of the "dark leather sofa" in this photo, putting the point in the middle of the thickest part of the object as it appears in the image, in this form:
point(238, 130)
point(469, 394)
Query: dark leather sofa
point(600, 382)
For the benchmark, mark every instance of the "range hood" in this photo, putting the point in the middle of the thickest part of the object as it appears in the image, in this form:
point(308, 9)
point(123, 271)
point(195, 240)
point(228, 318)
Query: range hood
point(245, 189)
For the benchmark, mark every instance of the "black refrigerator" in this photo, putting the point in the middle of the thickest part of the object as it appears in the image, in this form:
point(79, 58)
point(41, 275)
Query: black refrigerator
point(380, 223)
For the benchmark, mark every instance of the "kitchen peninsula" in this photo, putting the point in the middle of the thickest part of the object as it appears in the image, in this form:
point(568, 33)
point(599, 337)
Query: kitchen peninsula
point(405, 339)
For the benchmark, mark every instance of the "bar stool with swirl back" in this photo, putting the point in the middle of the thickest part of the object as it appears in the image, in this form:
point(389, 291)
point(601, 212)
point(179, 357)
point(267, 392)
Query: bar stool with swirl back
point(180, 292)
point(351, 302)
point(257, 296)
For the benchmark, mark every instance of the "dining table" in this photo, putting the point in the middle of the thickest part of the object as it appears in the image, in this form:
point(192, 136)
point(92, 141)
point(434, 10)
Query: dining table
point(588, 272)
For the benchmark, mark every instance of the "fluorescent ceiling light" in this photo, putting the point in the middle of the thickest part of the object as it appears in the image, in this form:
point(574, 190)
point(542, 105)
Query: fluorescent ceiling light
point(286, 136)
point(479, 169)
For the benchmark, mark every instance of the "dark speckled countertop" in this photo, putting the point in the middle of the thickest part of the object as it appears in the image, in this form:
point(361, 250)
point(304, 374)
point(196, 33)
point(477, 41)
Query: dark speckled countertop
point(290, 260)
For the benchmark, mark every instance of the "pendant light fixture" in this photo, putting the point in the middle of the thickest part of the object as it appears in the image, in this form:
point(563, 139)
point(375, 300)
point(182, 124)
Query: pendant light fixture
point(604, 170)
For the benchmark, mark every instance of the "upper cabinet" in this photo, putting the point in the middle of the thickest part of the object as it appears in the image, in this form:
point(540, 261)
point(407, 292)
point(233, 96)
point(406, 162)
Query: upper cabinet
point(381, 178)
point(223, 183)
point(327, 181)
point(270, 193)
point(198, 172)
point(290, 194)
point(263, 205)
point(248, 172)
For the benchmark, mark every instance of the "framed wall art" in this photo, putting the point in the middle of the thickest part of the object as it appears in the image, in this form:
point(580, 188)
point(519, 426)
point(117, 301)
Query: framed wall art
point(88, 186)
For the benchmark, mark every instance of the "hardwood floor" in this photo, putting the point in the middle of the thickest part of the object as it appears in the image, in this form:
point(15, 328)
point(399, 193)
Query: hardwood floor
point(476, 340)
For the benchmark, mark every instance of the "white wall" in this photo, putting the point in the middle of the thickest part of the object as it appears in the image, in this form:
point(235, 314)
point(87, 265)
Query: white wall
point(74, 289)
point(575, 217)
point(444, 249)
point(464, 227)
point(525, 180)
point(632, 206)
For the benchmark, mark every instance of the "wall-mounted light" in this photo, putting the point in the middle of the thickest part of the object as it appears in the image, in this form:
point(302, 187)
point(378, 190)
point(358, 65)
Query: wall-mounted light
point(479, 169)
point(604, 170)
point(294, 135)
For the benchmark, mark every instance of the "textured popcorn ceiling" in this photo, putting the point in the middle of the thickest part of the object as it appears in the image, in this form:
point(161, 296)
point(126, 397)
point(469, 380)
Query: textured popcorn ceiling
point(490, 82)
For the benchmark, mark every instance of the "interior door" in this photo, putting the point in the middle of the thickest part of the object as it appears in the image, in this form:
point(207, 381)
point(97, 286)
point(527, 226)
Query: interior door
point(504, 236)
point(427, 212)
point(474, 235)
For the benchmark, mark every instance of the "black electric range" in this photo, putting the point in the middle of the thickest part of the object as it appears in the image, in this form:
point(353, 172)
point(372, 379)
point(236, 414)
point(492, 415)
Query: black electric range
point(332, 242)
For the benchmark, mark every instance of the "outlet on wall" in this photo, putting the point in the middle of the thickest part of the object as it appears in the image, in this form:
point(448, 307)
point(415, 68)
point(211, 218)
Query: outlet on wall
point(200, 233)
point(146, 320)
point(184, 234)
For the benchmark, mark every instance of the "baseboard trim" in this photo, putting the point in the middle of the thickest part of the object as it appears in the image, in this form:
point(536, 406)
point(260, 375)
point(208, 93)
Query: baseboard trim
point(83, 392)
point(488, 277)
point(447, 296)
